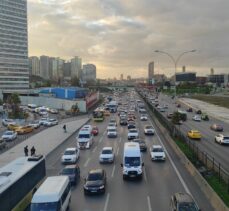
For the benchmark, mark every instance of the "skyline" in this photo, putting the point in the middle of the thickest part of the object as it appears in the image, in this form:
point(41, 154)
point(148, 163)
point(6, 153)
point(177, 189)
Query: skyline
point(121, 38)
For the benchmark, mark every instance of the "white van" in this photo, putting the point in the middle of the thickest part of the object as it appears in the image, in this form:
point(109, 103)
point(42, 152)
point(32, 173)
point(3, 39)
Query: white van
point(132, 161)
point(85, 137)
point(54, 194)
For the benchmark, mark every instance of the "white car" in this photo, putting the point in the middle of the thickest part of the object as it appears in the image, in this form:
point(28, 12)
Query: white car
point(35, 124)
point(112, 132)
point(6, 122)
point(113, 121)
point(43, 120)
point(107, 155)
point(143, 117)
point(157, 153)
point(71, 155)
point(149, 130)
point(111, 125)
point(197, 118)
point(53, 111)
point(222, 139)
point(133, 134)
point(50, 122)
point(9, 135)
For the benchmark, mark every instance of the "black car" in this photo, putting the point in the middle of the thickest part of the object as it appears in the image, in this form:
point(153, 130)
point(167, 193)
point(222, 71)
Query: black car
point(73, 172)
point(182, 202)
point(131, 125)
point(123, 122)
point(95, 182)
point(142, 144)
point(198, 112)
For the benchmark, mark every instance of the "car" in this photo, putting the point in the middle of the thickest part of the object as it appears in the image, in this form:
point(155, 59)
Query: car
point(5, 122)
point(112, 132)
point(142, 144)
point(149, 130)
point(189, 109)
point(24, 129)
point(107, 155)
point(157, 153)
point(73, 173)
point(183, 202)
point(111, 125)
point(113, 121)
point(132, 134)
point(217, 127)
point(35, 124)
point(42, 120)
point(43, 113)
point(122, 115)
point(196, 118)
point(198, 112)
point(106, 113)
point(95, 130)
point(95, 182)
point(53, 111)
point(143, 117)
point(222, 139)
point(194, 134)
point(123, 121)
point(12, 126)
point(9, 135)
point(169, 115)
point(161, 109)
point(2, 144)
point(50, 122)
point(131, 125)
point(178, 105)
point(204, 117)
point(71, 155)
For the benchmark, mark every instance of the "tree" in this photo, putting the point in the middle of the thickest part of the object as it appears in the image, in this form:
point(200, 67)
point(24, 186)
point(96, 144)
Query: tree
point(13, 102)
point(75, 81)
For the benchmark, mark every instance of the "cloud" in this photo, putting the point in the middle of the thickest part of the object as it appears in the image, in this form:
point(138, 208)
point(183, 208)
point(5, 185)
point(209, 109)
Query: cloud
point(121, 36)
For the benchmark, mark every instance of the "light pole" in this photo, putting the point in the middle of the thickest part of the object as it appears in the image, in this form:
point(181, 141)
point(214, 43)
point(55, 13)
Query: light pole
point(175, 61)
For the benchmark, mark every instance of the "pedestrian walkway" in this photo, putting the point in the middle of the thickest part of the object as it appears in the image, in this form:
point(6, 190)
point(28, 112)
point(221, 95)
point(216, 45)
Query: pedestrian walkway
point(44, 142)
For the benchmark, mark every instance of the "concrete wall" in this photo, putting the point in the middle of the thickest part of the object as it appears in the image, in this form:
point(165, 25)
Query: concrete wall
point(53, 102)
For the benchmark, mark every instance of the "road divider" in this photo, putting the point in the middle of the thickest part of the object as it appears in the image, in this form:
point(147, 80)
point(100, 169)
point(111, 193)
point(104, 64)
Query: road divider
point(113, 171)
point(149, 203)
point(86, 163)
point(106, 203)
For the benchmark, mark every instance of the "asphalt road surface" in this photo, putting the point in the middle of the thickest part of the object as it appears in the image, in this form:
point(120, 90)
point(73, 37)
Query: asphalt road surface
point(153, 192)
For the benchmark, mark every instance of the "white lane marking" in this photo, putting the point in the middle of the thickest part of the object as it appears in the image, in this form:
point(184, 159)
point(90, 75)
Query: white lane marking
point(113, 171)
point(173, 165)
point(100, 140)
point(104, 132)
point(94, 149)
point(145, 177)
point(149, 203)
point(86, 163)
point(117, 151)
point(120, 139)
point(107, 201)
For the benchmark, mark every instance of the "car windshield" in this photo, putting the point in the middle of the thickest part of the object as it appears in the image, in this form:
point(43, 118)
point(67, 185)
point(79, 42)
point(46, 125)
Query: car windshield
point(50, 206)
point(157, 150)
point(149, 127)
point(187, 206)
point(84, 136)
point(94, 177)
point(133, 131)
point(67, 171)
point(69, 152)
point(112, 130)
point(132, 161)
point(107, 151)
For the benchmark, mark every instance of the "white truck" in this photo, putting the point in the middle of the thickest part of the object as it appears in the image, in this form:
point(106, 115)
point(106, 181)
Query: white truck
point(132, 161)
point(85, 137)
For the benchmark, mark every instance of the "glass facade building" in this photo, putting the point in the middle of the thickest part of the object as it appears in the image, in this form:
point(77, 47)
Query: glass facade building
point(14, 68)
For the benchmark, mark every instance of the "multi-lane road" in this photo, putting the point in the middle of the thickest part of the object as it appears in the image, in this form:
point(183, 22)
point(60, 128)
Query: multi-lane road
point(153, 192)
point(207, 143)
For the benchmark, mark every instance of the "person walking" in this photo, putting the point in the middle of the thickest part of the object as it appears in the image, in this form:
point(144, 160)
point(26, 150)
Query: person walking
point(26, 151)
point(65, 129)
point(33, 151)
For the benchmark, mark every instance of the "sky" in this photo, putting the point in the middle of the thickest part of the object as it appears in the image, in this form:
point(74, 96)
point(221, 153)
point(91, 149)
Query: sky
point(121, 36)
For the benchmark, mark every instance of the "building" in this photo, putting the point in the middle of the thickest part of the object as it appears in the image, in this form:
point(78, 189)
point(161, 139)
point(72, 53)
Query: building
point(44, 67)
point(150, 71)
point(159, 78)
point(67, 69)
point(14, 64)
point(76, 66)
point(128, 77)
point(121, 77)
point(57, 68)
point(34, 64)
point(185, 77)
point(219, 79)
point(201, 80)
point(89, 72)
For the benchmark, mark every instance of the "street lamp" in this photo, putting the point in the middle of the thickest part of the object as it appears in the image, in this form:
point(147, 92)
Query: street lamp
point(175, 61)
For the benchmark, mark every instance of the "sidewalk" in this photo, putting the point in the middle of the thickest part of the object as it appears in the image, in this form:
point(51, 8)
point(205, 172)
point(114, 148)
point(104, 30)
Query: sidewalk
point(44, 142)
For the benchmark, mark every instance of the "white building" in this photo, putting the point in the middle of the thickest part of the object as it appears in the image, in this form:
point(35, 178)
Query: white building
point(44, 67)
point(14, 69)
point(89, 72)
point(76, 66)
point(35, 65)
point(57, 68)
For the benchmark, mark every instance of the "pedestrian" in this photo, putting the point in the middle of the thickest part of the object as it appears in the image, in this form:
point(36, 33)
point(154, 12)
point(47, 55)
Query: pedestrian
point(26, 151)
point(65, 129)
point(33, 151)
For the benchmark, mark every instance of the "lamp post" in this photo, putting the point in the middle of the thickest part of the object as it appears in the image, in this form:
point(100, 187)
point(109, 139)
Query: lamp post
point(175, 61)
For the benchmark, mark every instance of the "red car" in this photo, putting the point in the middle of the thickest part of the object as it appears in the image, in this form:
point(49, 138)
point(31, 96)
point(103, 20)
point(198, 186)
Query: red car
point(95, 131)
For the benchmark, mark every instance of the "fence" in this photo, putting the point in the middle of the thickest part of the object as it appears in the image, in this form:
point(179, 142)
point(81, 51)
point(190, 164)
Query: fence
point(205, 163)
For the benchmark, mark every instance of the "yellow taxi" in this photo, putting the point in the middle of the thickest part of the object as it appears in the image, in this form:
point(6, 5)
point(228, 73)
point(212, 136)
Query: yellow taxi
point(12, 127)
point(24, 129)
point(194, 134)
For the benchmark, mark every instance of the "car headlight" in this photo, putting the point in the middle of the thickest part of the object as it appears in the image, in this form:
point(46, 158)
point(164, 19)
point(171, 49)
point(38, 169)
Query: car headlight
point(139, 171)
point(85, 187)
point(101, 187)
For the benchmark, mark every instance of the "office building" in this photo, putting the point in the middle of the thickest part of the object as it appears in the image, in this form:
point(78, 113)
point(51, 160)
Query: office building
point(44, 67)
point(89, 72)
point(150, 71)
point(34, 65)
point(57, 68)
point(14, 64)
point(219, 79)
point(76, 66)
point(67, 69)
point(186, 77)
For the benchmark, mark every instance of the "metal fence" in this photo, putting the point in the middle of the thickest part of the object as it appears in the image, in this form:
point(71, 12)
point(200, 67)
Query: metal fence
point(204, 162)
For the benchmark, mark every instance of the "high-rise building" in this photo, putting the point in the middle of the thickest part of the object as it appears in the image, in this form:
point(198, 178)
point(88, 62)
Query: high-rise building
point(150, 71)
point(14, 64)
point(57, 68)
point(89, 72)
point(121, 77)
point(34, 64)
point(67, 69)
point(44, 67)
point(76, 66)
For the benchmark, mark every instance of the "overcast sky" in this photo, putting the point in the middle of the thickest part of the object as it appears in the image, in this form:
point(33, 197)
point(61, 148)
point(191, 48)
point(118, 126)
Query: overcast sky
point(120, 36)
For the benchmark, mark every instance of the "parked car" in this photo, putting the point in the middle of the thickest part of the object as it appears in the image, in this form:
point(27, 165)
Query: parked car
point(95, 182)
point(194, 134)
point(2, 143)
point(71, 155)
point(73, 172)
point(95, 130)
point(197, 118)
point(5, 122)
point(50, 122)
point(222, 139)
point(149, 130)
point(107, 155)
point(217, 127)
point(9, 135)
point(24, 129)
point(182, 202)
point(157, 153)
point(142, 144)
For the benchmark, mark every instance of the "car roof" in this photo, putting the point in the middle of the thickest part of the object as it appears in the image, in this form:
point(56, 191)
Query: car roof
point(71, 166)
point(195, 131)
point(157, 146)
point(71, 149)
point(96, 171)
point(183, 197)
point(107, 148)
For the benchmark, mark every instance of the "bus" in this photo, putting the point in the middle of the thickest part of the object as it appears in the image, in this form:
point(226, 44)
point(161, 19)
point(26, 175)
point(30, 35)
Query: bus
point(19, 180)
point(98, 115)
point(183, 115)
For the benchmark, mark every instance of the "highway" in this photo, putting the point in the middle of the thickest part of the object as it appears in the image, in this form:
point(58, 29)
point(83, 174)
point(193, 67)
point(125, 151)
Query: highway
point(207, 143)
point(160, 179)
